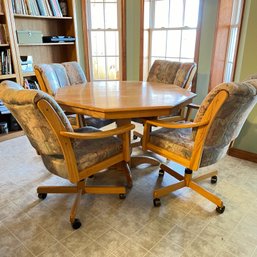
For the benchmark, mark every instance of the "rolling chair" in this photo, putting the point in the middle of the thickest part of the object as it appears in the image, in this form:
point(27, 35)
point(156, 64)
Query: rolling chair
point(53, 76)
point(205, 140)
point(73, 156)
point(180, 74)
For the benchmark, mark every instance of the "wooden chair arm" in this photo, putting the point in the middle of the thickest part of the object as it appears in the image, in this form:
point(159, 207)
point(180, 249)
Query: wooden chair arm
point(174, 125)
point(100, 134)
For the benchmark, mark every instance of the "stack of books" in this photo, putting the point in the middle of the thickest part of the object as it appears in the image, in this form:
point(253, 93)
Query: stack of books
point(37, 7)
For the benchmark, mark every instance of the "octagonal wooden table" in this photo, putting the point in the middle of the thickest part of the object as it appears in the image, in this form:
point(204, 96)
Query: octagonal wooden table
point(124, 100)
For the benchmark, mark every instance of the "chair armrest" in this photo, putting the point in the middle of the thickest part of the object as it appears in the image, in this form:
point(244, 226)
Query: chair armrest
point(166, 124)
point(100, 134)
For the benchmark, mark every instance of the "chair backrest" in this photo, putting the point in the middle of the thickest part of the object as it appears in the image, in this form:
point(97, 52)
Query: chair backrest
point(229, 119)
point(56, 75)
point(23, 106)
point(180, 74)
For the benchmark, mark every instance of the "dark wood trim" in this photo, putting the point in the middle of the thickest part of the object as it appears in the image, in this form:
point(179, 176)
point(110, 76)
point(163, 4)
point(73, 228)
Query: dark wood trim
point(85, 39)
point(123, 41)
point(241, 154)
point(141, 50)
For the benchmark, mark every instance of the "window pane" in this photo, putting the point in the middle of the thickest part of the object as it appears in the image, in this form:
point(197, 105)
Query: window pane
point(112, 68)
point(191, 13)
point(173, 59)
point(98, 68)
point(158, 43)
point(188, 43)
point(97, 17)
point(146, 14)
point(111, 16)
point(161, 14)
point(146, 45)
point(228, 72)
point(232, 44)
point(145, 69)
point(97, 43)
point(112, 43)
point(176, 13)
point(173, 43)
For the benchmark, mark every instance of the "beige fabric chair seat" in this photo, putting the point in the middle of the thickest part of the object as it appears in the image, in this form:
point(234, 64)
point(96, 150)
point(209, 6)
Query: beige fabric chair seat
point(174, 140)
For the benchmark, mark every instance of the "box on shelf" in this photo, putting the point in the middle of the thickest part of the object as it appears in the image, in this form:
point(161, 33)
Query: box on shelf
point(29, 36)
point(26, 63)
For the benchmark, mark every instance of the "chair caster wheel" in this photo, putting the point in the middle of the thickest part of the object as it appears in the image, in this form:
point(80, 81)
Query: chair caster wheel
point(76, 224)
point(122, 196)
point(156, 202)
point(134, 137)
point(220, 210)
point(161, 173)
point(214, 179)
point(42, 196)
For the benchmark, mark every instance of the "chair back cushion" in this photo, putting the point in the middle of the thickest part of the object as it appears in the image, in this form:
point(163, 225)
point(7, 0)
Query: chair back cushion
point(53, 76)
point(229, 119)
point(169, 72)
point(23, 106)
point(74, 72)
point(57, 75)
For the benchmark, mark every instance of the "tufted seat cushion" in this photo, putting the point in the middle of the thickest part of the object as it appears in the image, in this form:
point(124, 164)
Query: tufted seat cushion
point(87, 152)
point(179, 141)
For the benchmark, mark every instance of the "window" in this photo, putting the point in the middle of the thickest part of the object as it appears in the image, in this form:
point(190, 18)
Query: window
point(226, 41)
point(170, 31)
point(232, 40)
point(104, 39)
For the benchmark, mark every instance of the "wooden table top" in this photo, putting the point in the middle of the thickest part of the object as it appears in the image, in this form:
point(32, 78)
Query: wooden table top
point(122, 99)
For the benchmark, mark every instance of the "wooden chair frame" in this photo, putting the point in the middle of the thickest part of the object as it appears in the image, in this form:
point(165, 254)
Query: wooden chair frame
point(77, 177)
point(191, 164)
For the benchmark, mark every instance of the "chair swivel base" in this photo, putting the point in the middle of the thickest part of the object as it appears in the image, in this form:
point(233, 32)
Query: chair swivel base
point(187, 181)
point(79, 190)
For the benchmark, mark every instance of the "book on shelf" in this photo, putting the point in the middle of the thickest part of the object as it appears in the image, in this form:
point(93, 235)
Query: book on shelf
point(39, 7)
point(5, 62)
point(4, 39)
point(31, 84)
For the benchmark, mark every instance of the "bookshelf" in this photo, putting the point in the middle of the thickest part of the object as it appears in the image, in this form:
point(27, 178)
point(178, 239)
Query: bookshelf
point(9, 68)
point(48, 25)
point(52, 23)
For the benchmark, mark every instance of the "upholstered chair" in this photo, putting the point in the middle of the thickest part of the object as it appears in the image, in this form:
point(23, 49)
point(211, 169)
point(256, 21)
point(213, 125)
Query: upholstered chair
point(178, 73)
point(205, 140)
point(71, 155)
point(168, 72)
point(56, 75)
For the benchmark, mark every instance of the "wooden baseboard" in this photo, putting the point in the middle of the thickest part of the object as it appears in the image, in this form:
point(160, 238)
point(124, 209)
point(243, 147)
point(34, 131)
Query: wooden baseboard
point(241, 154)
point(4, 137)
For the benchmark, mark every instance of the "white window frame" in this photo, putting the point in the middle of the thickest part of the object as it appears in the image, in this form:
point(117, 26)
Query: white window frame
point(151, 29)
point(233, 40)
point(87, 29)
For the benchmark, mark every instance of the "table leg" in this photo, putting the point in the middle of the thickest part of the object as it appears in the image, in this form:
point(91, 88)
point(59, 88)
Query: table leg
point(137, 160)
